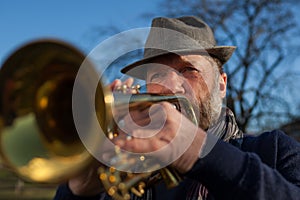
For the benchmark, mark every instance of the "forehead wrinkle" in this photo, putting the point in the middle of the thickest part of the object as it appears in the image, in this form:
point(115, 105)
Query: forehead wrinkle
point(173, 61)
point(203, 63)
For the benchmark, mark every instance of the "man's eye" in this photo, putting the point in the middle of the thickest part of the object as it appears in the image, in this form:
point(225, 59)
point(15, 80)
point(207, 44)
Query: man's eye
point(156, 76)
point(189, 70)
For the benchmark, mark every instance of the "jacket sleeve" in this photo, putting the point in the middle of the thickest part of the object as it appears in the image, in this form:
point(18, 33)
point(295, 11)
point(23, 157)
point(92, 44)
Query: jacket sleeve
point(267, 167)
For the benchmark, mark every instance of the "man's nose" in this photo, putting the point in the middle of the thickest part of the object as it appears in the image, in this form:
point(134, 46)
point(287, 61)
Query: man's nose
point(173, 83)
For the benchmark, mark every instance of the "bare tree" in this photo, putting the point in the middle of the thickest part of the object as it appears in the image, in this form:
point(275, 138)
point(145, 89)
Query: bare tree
point(261, 30)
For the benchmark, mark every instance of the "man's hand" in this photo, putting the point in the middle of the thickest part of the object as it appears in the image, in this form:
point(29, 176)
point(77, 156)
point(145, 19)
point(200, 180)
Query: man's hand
point(117, 84)
point(88, 182)
point(165, 133)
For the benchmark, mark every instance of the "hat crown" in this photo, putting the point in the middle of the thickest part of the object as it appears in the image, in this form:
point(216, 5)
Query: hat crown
point(175, 34)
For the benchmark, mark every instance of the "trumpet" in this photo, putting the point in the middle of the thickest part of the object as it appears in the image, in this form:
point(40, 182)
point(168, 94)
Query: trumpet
point(38, 134)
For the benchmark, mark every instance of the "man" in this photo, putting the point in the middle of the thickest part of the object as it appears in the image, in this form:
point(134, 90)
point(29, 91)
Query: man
point(218, 161)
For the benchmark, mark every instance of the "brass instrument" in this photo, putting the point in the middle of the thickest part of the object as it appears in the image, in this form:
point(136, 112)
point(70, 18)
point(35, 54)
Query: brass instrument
point(39, 139)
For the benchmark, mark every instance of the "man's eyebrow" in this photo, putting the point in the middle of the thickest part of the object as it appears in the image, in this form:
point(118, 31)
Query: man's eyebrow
point(185, 62)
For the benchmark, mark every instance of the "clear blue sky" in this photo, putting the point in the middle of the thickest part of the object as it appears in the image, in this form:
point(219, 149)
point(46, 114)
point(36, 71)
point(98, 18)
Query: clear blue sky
point(69, 20)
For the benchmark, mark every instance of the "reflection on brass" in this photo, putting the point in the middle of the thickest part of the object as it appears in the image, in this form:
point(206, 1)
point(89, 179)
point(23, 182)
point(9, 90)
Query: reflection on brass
point(38, 137)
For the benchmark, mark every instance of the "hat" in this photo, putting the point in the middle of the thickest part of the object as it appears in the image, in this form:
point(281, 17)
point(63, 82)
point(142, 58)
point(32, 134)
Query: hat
point(183, 35)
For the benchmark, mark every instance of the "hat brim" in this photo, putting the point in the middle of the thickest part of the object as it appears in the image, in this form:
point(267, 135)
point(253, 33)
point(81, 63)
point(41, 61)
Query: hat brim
point(136, 69)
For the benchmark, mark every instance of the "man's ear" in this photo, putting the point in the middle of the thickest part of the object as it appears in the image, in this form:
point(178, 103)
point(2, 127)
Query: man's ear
point(223, 85)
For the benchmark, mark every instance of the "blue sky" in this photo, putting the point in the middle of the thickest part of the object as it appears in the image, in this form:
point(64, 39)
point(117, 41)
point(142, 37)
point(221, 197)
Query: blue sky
point(69, 20)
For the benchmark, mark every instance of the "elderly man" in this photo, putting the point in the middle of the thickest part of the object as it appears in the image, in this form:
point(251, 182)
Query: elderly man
point(218, 161)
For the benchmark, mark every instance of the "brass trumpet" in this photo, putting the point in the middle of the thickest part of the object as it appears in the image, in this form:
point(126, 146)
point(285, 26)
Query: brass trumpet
point(39, 140)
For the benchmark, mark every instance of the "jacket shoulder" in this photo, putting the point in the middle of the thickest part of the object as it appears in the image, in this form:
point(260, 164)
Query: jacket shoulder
point(275, 149)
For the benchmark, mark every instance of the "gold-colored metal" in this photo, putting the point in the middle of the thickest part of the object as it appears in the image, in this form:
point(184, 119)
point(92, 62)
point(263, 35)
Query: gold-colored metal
point(38, 137)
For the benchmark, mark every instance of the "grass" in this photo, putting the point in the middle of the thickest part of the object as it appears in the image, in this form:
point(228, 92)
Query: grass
point(13, 188)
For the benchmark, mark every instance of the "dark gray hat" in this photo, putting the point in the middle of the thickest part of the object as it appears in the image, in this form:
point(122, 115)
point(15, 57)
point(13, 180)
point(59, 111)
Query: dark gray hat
point(184, 35)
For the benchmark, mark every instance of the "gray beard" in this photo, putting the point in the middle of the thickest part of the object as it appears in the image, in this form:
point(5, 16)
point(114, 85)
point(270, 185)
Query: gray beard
point(215, 105)
point(210, 110)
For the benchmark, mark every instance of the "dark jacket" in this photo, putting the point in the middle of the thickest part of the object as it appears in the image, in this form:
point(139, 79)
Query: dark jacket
point(263, 167)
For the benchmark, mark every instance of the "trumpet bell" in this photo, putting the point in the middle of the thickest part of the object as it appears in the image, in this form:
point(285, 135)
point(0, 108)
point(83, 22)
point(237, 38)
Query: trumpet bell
point(38, 137)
